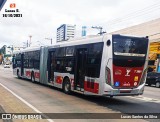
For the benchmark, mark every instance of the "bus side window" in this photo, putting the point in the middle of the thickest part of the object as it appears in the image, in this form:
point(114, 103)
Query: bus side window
point(36, 59)
point(94, 60)
point(59, 58)
point(25, 60)
point(69, 65)
point(70, 51)
point(60, 65)
point(60, 52)
point(31, 59)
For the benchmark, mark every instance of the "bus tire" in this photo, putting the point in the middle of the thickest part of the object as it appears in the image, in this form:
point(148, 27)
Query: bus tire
point(32, 77)
point(66, 86)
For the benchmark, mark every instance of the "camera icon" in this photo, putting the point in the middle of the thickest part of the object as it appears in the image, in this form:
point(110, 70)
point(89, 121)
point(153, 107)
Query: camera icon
point(6, 116)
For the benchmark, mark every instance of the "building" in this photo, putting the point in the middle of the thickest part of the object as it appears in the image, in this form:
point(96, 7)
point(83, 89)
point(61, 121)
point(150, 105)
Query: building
point(152, 30)
point(6, 52)
point(65, 32)
point(84, 32)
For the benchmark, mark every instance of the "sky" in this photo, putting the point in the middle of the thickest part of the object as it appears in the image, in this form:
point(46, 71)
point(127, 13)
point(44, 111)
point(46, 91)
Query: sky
point(41, 18)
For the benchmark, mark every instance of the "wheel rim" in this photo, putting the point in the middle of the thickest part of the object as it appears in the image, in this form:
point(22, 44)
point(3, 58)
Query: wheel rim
point(32, 78)
point(157, 84)
point(66, 86)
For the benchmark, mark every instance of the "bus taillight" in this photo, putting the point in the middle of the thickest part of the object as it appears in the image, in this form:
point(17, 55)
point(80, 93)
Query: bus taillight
point(108, 76)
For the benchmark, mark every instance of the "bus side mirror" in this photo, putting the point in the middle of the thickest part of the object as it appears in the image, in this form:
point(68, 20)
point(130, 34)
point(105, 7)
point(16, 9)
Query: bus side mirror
point(108, 42)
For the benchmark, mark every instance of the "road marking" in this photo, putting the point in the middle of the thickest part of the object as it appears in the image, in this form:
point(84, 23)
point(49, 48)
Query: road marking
point(24, 101)
point(145, 99)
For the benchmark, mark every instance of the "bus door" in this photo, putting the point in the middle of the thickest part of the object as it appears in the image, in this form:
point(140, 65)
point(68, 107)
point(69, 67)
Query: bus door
point(80, 70)
point(51, 66)
point(14, 62)
point(22, 64)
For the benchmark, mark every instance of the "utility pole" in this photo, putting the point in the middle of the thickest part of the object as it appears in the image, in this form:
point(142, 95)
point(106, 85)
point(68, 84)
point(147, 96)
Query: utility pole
point(27, 44)
point(100, 29)
point(30, 36)
point(12, 49)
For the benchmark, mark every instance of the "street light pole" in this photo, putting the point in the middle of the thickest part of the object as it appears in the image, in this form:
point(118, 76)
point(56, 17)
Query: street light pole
point(51, 41)
point(30, 40)
point(100, 29)
point(27, 44)
point(12, 49)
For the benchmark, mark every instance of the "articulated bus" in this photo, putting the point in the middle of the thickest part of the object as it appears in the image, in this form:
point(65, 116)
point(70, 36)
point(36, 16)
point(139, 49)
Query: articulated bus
point(108, 65)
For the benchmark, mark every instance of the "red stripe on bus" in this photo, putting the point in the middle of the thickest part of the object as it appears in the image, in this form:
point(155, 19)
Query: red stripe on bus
point(36, 74)
point(127, 77)
point(91, 87)
point(28, 73)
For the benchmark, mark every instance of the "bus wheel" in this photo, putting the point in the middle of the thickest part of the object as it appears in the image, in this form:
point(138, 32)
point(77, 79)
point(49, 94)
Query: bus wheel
point(32, 77)
point(67, 86)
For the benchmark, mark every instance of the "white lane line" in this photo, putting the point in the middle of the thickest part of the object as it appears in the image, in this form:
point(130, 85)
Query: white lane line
point(24, 101)
point(145, 99)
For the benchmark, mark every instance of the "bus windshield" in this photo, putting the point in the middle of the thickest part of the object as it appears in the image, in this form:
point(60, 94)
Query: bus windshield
point(126, 46)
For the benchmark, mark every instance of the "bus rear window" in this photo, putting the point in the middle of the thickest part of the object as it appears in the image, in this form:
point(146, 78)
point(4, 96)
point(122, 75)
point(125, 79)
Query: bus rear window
point(126, 46)
point(129, 51)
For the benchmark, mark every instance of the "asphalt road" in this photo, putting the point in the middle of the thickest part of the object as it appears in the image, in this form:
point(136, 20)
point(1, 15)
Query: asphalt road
point(52, 100)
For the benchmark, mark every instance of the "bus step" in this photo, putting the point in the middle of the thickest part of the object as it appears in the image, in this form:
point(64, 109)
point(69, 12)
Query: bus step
point(77, 91)
point(80, 89)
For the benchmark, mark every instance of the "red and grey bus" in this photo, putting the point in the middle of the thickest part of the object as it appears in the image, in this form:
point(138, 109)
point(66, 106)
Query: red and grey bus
point(108, 65)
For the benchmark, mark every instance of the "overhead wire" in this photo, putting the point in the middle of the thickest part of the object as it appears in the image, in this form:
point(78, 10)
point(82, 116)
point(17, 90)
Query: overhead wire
point(145, 11)
point(139, 11)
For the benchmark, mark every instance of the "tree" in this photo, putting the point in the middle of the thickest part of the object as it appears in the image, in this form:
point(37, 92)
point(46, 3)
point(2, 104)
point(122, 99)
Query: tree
point(3, 49)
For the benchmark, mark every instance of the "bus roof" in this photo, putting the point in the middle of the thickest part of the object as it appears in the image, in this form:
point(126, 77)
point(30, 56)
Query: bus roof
point(88, 40)
point(31, 49)
point(83, 40)
point(28, 49)
point(76, 41)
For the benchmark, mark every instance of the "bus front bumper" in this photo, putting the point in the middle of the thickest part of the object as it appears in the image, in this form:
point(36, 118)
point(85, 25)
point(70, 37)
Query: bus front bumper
point(125, 92)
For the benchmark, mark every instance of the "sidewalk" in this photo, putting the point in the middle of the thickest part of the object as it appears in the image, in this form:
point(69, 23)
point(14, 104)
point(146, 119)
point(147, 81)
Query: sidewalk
point(11, 104)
